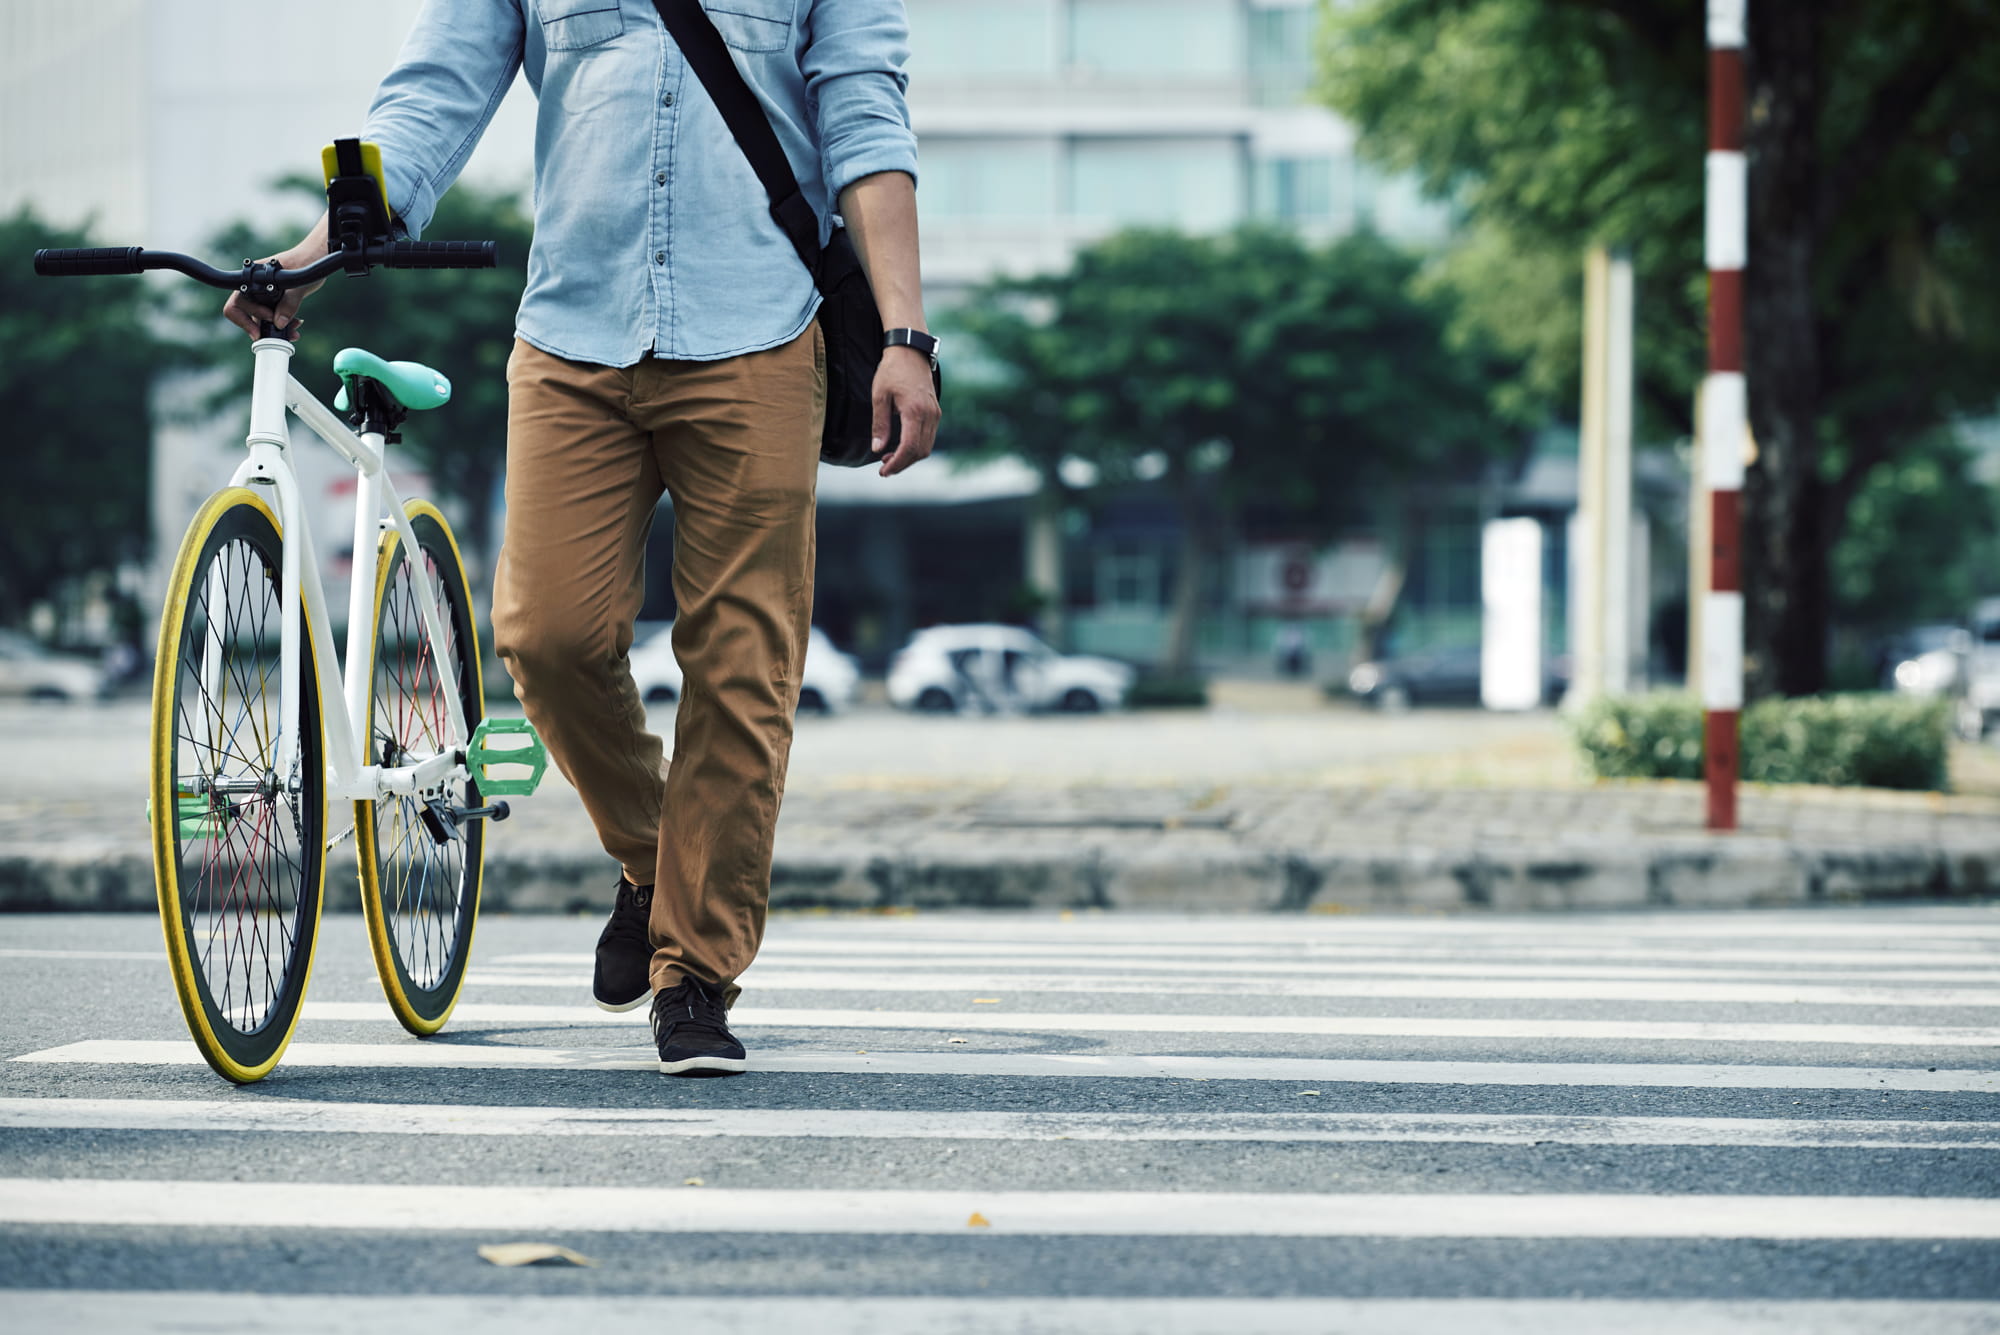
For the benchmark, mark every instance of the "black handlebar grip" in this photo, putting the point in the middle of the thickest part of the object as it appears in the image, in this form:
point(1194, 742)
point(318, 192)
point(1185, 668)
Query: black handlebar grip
point(443, 255)
point(92, 260)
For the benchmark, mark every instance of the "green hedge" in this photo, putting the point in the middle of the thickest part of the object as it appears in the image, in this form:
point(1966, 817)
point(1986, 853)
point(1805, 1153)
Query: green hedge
point(1156, 690)
point(1871, 741)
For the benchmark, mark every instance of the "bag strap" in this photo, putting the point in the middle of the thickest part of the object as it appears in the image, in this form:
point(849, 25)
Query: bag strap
point(694, 32)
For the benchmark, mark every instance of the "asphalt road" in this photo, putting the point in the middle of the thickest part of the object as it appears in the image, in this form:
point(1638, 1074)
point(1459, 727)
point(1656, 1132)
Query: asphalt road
point(1688, 1123)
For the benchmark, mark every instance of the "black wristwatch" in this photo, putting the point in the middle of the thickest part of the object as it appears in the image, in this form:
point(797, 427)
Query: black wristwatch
point(912, 338)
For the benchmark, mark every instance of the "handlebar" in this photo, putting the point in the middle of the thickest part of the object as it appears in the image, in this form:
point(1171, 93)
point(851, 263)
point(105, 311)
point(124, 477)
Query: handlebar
point(394, 255)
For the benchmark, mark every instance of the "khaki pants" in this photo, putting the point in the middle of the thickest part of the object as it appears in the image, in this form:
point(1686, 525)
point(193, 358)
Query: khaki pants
point(589, 450)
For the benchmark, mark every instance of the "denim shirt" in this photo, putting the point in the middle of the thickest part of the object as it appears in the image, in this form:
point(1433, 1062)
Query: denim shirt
point(652, 234)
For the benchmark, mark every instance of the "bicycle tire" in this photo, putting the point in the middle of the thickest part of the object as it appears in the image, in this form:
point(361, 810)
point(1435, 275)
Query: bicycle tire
point(420, 897)
point(240, 873)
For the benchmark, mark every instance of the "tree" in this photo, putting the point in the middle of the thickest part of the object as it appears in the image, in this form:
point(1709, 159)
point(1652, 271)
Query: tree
point(1247, 365)
point(459, 321)
point(1921, 546)
point(77, 360)
point(1872, 314)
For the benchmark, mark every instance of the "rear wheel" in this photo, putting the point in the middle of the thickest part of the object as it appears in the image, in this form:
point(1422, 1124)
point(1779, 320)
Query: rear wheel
point(1079, 701)
point(420, 865)
point(238, 829)
point(936, 700)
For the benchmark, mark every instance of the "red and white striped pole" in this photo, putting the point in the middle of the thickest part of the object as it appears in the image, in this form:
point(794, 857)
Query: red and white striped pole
point(1724, 422)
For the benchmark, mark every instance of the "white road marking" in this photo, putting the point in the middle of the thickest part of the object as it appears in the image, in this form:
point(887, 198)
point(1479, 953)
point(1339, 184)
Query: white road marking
point(770, 979)
point(434, 1207)
point(878, 952)
point(1312, 1070)
point(151, 956)
point(432, 1119)
point(174, 1313)
point(1100, 1022)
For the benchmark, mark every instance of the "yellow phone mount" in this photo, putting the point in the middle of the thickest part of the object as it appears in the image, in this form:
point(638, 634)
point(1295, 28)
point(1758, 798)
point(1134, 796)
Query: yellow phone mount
point(357, 200)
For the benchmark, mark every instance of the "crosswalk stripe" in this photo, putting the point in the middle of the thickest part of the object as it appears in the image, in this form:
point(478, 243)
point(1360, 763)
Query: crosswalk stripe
point(1224, 929)
point(430, 1208)
point(1309, 1070)
point(771, 979)
point(1100, 1022)
point(876, 953)
point(173, 1313)
point(423, 1119)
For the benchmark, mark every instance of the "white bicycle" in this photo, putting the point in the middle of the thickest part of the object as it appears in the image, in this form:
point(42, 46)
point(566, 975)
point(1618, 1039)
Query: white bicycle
point(255, 727)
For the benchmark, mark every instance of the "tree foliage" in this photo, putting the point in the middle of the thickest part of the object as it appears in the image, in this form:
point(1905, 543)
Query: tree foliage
point(77, 360)
point(459, 321)
point(1245, 366)
point(1872, 312)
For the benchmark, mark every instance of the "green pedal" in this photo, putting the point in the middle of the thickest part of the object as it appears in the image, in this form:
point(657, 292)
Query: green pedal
point(522, 749)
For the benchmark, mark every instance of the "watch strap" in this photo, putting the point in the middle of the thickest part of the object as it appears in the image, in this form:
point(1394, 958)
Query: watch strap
point(925, 343)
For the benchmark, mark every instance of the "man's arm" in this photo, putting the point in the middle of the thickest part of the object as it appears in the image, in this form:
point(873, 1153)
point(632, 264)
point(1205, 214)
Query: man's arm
point(853, 66)
point(881, 214)
point(427, 116)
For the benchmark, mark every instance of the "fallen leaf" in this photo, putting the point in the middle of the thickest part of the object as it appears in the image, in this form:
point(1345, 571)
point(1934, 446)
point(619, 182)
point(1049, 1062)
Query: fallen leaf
point(978, 1220)
point(1308, 1093)
point(532, 1253)
point(694, 1182)
point(954, 1040)
point(861, 1052)
point(986, 1001)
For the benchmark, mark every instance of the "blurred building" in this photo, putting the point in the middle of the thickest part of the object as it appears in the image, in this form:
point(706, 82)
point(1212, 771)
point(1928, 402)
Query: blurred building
point(1044, 125)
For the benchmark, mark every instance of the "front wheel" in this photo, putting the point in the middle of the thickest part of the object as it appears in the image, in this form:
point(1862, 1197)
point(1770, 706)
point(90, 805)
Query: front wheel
point(238, 817)
point(420, 863)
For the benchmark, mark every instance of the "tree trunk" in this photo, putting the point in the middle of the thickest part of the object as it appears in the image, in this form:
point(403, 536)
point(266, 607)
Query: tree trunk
point(1185, 620)
point(1045, 571)
point(1399, 540)
point(1787, 531)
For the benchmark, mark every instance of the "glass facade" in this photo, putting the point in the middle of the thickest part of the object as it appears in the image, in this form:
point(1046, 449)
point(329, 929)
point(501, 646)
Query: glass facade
point(1181, 182)
point(1280, 54)
point(954, 39)
point(1156, 39)
point(994, 178)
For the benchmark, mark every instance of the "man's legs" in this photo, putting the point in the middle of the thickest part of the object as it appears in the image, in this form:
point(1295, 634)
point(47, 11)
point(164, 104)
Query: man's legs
point(737, 442)
point(582, 482)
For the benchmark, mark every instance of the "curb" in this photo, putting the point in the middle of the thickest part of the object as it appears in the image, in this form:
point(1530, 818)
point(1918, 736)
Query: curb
point(1687, 872)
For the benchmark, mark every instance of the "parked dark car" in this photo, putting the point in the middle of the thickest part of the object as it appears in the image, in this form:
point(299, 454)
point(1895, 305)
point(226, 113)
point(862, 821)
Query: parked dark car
point(1448, 676)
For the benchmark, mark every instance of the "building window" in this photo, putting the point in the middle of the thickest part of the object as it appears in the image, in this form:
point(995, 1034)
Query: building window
point(1281, 56)
point(1128, 579)
point(1295, 190)
point(990, 179)
point(1015, 40)
point(1195, 184)
point(1156, 39)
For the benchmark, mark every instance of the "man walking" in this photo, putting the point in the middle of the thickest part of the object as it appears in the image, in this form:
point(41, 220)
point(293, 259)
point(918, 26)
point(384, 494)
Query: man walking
point(666, 341)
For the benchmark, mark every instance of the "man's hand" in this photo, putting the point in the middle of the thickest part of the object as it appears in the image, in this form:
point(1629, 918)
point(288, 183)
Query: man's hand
point(245, 314)
point(881, 214)
point(903, 390)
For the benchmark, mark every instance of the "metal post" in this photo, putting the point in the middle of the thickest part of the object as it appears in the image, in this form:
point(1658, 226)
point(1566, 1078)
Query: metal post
point(1724, 407)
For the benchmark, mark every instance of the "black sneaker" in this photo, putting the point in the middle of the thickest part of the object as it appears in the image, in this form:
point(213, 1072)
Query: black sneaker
point(623, 979)
point(691, 1027)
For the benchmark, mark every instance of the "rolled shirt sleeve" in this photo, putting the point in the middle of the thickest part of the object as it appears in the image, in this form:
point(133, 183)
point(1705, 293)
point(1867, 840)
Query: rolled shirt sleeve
point(427, 116)
point(853, 64)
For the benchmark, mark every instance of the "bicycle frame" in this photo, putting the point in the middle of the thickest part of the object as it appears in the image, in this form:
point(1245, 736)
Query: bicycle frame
point(273, 393)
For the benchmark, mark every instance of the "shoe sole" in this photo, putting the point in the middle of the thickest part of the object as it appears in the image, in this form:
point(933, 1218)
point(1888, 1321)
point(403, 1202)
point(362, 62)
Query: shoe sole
point(699, 1066)
point(619, 1008)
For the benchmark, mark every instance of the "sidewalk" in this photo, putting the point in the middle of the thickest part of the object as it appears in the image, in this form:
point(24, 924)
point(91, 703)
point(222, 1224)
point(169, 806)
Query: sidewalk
point(1216, 847)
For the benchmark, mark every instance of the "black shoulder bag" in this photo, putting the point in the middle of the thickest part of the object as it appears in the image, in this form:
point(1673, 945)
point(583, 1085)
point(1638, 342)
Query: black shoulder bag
point(848, 318)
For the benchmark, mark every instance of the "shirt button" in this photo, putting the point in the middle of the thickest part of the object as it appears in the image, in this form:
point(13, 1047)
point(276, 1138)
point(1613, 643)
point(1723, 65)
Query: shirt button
point(659, 257)
point(666, 99)
point(659, 178)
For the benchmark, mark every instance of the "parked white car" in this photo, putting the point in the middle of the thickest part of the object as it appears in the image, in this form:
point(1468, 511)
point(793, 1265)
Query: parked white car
point(831, 677)
point(26, 668)
point(992, 669)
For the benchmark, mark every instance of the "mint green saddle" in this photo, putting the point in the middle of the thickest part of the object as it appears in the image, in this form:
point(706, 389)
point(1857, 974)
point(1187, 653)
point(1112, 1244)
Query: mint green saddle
point(411, 384)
